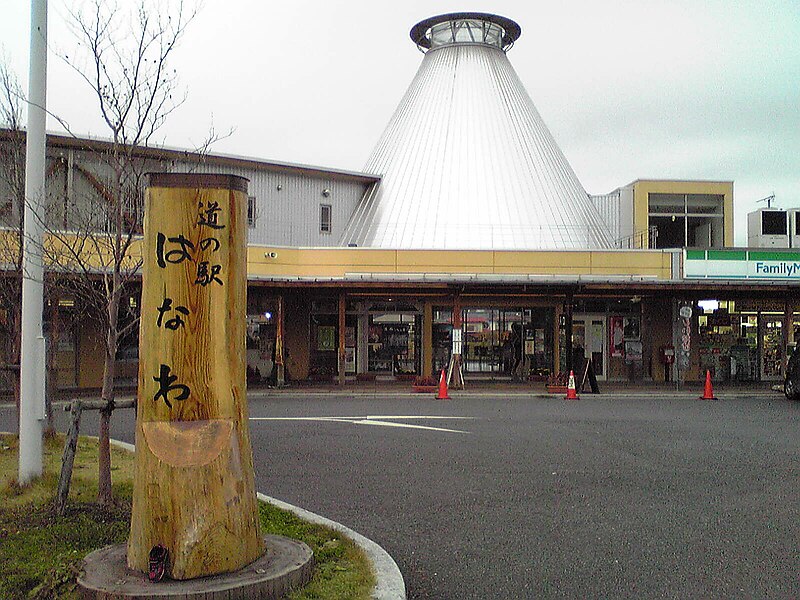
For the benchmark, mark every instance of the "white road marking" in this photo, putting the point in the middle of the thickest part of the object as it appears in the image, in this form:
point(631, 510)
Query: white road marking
point(347, 419)
point(378, 417)
point(406, 425)
point(405, 417)
point(382, 421)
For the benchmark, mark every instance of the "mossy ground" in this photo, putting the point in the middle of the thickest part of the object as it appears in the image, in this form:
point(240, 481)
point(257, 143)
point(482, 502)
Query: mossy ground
point(41, 553)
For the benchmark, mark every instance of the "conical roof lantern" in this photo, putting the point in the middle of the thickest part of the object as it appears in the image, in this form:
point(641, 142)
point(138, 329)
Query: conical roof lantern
point(466, 161)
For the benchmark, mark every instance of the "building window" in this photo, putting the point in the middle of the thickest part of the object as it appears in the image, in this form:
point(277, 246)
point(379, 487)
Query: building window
point(687, 220)
point(128, 344)
point(251, 211)
point(325, 218)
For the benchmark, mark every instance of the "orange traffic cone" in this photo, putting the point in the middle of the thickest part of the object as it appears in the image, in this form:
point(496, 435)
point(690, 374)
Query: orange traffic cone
point(708, 392)
point(442, 395)
point(572, 393)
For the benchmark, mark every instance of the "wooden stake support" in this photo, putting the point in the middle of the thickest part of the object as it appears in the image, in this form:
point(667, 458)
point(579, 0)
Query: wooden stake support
point(76, 408)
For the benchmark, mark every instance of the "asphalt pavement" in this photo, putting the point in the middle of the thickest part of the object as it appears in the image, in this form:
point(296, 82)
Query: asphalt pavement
point(513, 496)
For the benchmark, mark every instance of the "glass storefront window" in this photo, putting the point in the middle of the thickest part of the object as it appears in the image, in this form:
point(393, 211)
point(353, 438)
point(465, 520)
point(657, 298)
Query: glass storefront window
point(261, 332)
point(748, 345)
point(394, 343)
point(538, 342)
point(324, 360)
point(516, 343)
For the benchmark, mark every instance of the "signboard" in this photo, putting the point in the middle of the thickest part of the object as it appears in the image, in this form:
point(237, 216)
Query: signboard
point(326, 338)
point(395, 337)
point(770, 265)
point(633, 351)
point(685, 340)
point(194, 489)
point(456, 341)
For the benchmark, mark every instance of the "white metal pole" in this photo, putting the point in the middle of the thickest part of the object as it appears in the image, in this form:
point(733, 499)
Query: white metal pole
point(32, 371)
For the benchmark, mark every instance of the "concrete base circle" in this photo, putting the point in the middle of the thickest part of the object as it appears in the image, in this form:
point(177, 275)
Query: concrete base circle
point(287, 564)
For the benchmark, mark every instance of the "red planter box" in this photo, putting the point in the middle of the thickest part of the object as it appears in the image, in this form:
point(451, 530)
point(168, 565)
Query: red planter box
point(425, 389)
point(557, 389)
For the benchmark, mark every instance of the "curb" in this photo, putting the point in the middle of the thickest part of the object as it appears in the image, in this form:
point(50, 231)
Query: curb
point(684, 395)
point(389, 583)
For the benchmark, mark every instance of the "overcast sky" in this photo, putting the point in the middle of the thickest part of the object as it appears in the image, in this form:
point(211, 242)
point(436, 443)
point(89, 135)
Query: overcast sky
point(631, 89)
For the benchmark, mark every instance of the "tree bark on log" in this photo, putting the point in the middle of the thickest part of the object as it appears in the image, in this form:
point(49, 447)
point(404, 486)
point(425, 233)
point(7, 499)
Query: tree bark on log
point(194, 489)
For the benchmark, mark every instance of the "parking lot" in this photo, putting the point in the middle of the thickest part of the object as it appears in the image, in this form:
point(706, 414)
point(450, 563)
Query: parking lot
point(516, 497)
point(530, 498)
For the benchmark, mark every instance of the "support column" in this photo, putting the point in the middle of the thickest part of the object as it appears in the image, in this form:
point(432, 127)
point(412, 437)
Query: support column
point(455, 375)
point(568, 335)
point(556, 364)
point(341, 353)
point(280, 363)
point(427, 339)
point(362, 337)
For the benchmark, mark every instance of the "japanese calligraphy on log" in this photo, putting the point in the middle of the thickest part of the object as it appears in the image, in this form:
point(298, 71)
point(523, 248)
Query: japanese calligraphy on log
point(193, 490)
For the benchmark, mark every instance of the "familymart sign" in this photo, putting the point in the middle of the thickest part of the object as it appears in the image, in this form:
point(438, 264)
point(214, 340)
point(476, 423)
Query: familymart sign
point(772, 265)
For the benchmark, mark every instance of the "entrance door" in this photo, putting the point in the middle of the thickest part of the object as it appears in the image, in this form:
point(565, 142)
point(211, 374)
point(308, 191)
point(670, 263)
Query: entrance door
point(492, 341)
point(589, 333)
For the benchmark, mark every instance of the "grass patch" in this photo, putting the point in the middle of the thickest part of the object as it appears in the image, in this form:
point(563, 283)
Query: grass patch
point(342, 571)
point(41, 553)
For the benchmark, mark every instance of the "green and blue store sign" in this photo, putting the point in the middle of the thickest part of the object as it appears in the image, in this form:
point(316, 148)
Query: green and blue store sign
point(772, 265)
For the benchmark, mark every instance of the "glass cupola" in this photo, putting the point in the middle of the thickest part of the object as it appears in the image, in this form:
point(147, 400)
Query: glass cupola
point(465, 28)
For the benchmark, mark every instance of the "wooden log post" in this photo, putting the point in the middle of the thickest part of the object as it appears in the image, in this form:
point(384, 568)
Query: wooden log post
point(427, 339)
point(341, 353)
point(193, 481)
point(568, 306)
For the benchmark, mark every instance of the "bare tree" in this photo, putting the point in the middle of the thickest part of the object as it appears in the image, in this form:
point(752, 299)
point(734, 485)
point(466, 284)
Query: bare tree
point(124, 59)
point(12, 199)
point(12, 205)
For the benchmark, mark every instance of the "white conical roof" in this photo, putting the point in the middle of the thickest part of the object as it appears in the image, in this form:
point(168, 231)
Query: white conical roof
point(466, 161)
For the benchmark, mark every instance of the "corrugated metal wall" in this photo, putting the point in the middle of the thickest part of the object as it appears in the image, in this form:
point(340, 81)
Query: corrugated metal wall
point(608, 207)
point(287, 199)
point(625, 212)
point(467, 162)
point(288, 204)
